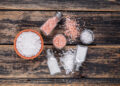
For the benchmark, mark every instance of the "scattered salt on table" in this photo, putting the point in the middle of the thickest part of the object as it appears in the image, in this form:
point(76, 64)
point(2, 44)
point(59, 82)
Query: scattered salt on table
point(28, 44)
point(80, 55)
point(67, 61)
point(52, 63)
point(71, 29)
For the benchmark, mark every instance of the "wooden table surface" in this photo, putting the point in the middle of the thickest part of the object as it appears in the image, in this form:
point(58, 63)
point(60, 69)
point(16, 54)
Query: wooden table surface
point(102, 66)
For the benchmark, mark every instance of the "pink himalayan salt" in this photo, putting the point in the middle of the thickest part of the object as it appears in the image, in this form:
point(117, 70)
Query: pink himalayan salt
point(59, 41)
point(71, 30)
point(50, 24)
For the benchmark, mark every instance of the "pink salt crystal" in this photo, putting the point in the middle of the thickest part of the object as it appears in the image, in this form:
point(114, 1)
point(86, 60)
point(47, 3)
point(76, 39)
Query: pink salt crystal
point(71, 30)
point(59, 41)
point(50, 24)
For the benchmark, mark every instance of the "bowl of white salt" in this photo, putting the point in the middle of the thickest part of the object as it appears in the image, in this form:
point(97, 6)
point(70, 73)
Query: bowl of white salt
point(28, 44)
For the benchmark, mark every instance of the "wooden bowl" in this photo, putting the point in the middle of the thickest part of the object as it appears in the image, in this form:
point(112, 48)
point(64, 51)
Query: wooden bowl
point(42, 44)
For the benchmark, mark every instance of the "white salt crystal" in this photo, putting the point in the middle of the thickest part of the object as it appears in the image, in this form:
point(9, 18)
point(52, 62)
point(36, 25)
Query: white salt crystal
point(68, 61)
point(80, 55)
point(28, 44)
point(87, 36)
point(52, 63)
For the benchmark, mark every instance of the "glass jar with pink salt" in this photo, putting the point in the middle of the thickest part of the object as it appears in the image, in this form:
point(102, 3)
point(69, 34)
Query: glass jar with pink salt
point(50, 24)
point(59, 41)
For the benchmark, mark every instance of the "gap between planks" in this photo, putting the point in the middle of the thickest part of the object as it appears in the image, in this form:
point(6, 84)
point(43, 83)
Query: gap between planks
point(73, 46)
point(59, 82)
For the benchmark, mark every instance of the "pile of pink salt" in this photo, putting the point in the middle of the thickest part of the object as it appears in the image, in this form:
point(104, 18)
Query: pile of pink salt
point(59, 41)
point(71, 30)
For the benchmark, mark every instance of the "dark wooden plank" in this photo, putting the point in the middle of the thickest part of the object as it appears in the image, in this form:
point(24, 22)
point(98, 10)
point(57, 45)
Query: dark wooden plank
point(76, 5)
point(101, 62)
point(59, 82)
point(106, 25)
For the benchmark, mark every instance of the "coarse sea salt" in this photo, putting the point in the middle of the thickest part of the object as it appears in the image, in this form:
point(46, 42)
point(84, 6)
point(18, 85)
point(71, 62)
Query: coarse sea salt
point(28, 44)
point(87, 36)
point(67, 61)
point(73, 58)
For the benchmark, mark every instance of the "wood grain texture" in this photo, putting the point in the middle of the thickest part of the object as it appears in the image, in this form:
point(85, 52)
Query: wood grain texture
point(101, 62)
point(102, 66)
point(59, 82)
point(73, 5)
point(105, 25)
